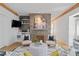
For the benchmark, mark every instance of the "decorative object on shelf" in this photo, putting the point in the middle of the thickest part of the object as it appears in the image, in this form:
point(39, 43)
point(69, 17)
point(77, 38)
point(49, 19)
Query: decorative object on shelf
point(41, 41)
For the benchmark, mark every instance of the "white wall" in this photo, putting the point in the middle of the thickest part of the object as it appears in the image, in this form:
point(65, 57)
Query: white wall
point(7, 34)
point(61, 26)
point(71, 30)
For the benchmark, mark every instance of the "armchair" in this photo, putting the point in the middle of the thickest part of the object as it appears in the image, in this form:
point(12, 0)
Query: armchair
point(26, 41)
point(51, 41)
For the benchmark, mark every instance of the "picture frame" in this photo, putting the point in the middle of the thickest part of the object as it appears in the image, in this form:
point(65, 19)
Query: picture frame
point(40, 22)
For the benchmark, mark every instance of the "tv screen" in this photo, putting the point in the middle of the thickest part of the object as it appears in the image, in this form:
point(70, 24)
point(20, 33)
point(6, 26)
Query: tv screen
point(16, 23)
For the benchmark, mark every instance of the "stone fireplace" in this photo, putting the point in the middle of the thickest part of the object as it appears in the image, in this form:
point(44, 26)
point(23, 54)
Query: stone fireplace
point(38, 34)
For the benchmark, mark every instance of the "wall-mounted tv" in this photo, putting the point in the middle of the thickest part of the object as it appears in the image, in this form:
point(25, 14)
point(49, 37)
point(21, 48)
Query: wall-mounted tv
point(16, 23)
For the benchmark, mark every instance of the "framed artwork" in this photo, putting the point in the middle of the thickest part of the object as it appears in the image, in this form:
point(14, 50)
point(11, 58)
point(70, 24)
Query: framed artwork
point(39, 22)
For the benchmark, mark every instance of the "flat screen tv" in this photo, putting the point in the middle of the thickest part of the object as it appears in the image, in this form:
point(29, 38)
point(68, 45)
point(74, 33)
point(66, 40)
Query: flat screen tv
point(16, 23)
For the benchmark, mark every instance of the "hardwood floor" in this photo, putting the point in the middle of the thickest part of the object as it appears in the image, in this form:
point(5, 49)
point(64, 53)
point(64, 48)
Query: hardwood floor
point(11, 47)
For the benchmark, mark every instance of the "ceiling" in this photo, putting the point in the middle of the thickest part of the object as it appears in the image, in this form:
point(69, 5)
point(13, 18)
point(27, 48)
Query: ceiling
point(26, 8)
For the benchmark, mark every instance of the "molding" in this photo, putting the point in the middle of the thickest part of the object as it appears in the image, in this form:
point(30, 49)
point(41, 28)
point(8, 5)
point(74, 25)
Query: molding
point(66, 11)
point(9, 9)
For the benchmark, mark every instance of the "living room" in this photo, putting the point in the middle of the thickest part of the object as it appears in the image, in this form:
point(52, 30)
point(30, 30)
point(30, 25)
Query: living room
point(38, 29)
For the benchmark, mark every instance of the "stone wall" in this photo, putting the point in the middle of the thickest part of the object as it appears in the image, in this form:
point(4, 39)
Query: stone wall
point(45, 32)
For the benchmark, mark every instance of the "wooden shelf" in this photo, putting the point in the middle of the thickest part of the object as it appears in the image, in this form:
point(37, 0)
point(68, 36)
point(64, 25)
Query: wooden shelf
point(25, 23)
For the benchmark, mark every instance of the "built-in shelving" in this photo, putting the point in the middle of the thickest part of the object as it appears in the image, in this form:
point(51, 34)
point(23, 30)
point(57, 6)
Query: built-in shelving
point(25, 20)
